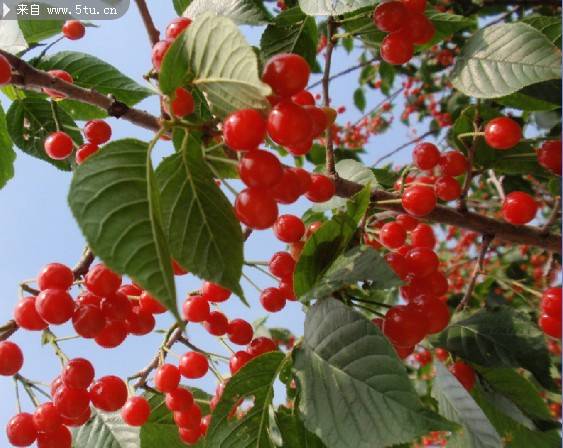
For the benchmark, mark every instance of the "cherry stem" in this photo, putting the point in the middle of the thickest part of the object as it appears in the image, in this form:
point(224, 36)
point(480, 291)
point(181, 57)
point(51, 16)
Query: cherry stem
point(264, 271)
point(470, 134)
point(249, 280)
point(222, 160)
point(195, 348)
point(31, 384)
point(371, 302)
point(49, 337)
point(28, 390)
point(377, 313)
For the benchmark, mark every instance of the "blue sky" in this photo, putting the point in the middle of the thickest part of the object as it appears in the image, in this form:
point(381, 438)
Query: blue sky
point(37, 227)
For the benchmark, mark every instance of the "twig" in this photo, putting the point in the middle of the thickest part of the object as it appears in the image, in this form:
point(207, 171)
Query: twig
point(331, 26)
point(403, 146)
point(83, 264)
point(497, 184)
point(461, 204)
point(8, 329)
point(478, 268)
point(378, 106)
point(25, 287)
point(553, 217)
point(152, 31)
point(344, 72)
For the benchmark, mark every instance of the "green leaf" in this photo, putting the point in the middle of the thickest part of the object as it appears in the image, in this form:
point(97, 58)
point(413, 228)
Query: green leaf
point(499, 338)
point(550, 26)
point(181, 5)
point(82, 111)
point(31, 120)
point(332, 7)
point(11, 37)
point(360, 99)
point(515, 433)
point(447, 24)
point(360, 24)
point(242, 12)
point(255, 380)
point(456, 404)
point(114, 200)
point(502, 59)
point(7, 154)
point(106, 430)
point(537, 97)
point(359, 264)
point(355, 392)
point(224, 67)
point(35, 31)
point(199, 223)
point(327, 243)
point(93, 73)
point(293, 432)
point(291, 32)
point(519, 390)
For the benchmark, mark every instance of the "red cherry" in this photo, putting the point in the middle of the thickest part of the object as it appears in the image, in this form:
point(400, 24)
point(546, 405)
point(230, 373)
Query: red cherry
point(272, 300)
point(438, 283)
point(404, 326)
point(97, 131)
point(178, 270)
point(304, 179)
point(289, 228)
point(195, 309)
point(288, 189)
point(398, 264)
point(287, 74)
point(70, 402)
point(549, 156)
point(84, 151)
point(188, 419)
point(519, 208)
point(74, 29)
point(300, 149)
point(423, 236)
point(176, 26)
point(551, 302)
point(59, 438)
point(102, 281)
point(112, 335)
point(407, 221)
point(47, 418)
point(205, 422)
point(256, 208)
point(21, 430)
point(54, 306)
point(286, 288)
point(418, 6)
point(88, 320)
point(238, 361)
point(261, 345)
point(11, 358)
point(322, 188)
point(435, 312)
point(244, 130)
point(392, 235)
point(151, 305)
point(182, 103)
point(214, 292)
point(62, 75)
point(240, 332)
point(419, 200)
point(5, 71)
point(447, 188)
point(403, 352)
point(319, 119)
point(419, 28)
point(55, 276)
point(422, 261)
point(167, 378)
point(390, 16)
point(136, 411)
point(108, 393)
point(550, 325)
point(453, 163)
point(78, 373)
point(58, 145)
point(395, 49)
point(158, 52)
point(26, 316)
point(216, 324)
point(502, 133)
point(140, 322)
point(281, 264)
point(289, 124)
point(79, 421)
point(179, 400)
point(464, 374)
point(260, 169)
point(189, 436)
point(304, 98)
point(426, 156)
point(116, 307)
point(194, 365)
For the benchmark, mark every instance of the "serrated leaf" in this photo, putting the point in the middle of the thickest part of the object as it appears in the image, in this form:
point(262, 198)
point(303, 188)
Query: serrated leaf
point(255, 380)
point(355, 392)
point(499, 338)
point(293, 432)
point(291, 32)
point(221, 63)
point(106, 430)
point(37, 30)
point(11, 37)
point(114, 199)
point(203, 233)
point(550, 26)
point(7, 154)
point(242, 12)
point(501, 59)
point(93, 73)
point(359, 264)
point(31, 120)
point(327, 243)
point(518, 389)
point(456, 404)
point(332, 7)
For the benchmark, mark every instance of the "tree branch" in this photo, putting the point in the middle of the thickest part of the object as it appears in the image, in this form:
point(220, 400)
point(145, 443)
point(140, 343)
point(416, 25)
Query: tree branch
point(83, 264)
point(344, 72)
point(403, 146)
point(331, 26)
point(152, 31)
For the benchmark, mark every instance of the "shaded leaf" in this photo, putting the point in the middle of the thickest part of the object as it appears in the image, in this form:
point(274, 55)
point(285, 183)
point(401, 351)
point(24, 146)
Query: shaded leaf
point(242, 12)
point(7, 154)
point(537, 97)
point(293, 432)
point(550, 26)
point(106, 430)
point(332, 7)
point(37, 30)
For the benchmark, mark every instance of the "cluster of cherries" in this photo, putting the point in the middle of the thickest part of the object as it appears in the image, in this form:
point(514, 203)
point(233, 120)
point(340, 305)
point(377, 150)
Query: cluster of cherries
point(550, 319)
point(407, 26)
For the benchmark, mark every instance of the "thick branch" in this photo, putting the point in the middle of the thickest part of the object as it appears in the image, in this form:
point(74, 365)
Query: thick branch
point(331, 26)
point(152, 31)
